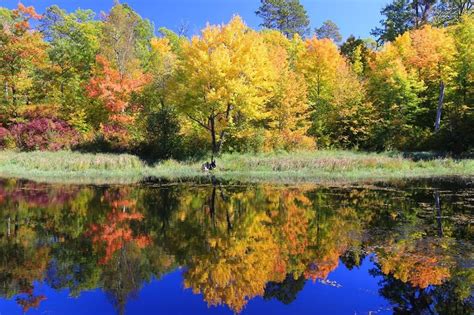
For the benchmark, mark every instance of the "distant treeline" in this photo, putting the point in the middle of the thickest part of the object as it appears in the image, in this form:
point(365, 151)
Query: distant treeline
point(73, 80)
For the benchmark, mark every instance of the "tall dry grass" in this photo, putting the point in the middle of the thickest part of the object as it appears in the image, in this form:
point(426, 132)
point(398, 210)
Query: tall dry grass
point(280, 167)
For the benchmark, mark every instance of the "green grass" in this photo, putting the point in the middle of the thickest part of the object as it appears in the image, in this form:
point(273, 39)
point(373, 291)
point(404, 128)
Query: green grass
point(317, 166)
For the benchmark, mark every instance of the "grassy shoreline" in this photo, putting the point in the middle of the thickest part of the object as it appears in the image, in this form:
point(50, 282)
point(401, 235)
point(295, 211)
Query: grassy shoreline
point(284, 168)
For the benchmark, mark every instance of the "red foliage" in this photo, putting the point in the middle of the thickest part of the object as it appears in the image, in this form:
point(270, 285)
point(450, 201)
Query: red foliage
point(116, 232)
point(36, 194)
point(115, 133)
point(44, 134)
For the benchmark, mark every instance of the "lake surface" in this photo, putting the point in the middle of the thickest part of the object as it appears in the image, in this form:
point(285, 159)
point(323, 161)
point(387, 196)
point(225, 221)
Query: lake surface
point(400, 247)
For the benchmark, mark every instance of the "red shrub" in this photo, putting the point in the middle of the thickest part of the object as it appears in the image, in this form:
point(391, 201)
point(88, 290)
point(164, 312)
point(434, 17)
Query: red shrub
point(44, 134)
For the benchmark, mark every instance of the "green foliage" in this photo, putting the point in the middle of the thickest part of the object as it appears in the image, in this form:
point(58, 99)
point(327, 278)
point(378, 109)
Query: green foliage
point(460, 109)
point(357, 52)
point(175, 39)
point(448, 12)
point(287, 16)
point(164, 141)
point(404, 15)
point(74, 44)
point(330, 30)
point(398, 19)
point(126, 38)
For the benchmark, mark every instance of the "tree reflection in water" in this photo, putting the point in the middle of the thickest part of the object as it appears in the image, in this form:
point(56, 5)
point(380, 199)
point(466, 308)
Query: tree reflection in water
point(236, 243)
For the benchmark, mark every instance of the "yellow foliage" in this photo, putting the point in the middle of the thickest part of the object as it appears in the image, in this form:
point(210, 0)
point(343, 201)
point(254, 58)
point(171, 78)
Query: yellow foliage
point(417, 261)
point(225, 73)
point(319, 64)
point(238, 266)
point(288, 109)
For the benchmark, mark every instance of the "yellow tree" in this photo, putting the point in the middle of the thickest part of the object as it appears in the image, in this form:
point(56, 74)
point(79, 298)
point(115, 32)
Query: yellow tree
point(163, 63)
point(395, 90)
point(459, 118)
point(335, 94)
point(353, 116)
point(334, 235)
point(225, 78)
point(432, 58)
point(22, 50)
point(408, 78)
point(463, 34)
point(319, 63)
point(288, 109)
point(291, 214)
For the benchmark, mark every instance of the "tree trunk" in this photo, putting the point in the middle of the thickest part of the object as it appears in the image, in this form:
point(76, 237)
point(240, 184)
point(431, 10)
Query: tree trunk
point(222, 135)
point(212, 122)
point(440, 107)
point(13, 89)
point(212, 206)
point(8, 226)
point(438, 214)
point(221, 140)
point(417, 13)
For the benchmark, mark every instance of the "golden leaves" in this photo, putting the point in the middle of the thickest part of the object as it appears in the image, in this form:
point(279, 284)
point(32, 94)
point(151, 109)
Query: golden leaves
point(420, 262)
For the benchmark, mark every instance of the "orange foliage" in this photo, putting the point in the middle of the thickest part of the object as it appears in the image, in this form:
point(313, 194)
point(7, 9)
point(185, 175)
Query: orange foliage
point(30, 301)
point(113, 88)
point(30, 11)
point(321, 268)
point(416, 262)
point(296, 223)
point(116, 232)
point(433, 52)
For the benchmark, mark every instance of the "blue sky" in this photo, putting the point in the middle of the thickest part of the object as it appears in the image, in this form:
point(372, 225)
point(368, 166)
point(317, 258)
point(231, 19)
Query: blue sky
point(356, 17)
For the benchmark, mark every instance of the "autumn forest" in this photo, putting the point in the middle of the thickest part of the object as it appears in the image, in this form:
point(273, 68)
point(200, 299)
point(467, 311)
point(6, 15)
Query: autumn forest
point(111, 82)
point(268, 167)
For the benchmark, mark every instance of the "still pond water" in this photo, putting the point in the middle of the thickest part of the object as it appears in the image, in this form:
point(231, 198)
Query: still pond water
point(400, 247)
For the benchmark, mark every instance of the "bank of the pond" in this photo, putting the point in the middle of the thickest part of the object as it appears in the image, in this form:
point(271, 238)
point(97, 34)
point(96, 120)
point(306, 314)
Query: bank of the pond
point(276, 167)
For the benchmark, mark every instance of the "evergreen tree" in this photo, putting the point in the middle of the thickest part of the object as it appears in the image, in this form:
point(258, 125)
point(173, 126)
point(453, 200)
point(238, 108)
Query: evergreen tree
point(287, 16)
point(330, 30)
point(398, 19)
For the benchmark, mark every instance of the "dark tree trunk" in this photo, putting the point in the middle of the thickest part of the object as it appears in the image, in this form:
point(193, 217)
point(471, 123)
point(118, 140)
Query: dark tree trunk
point(212, 206)
point(13, 89)
point(212, 122)
point(417, 13)
point(440, 107)
point(438, 214)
